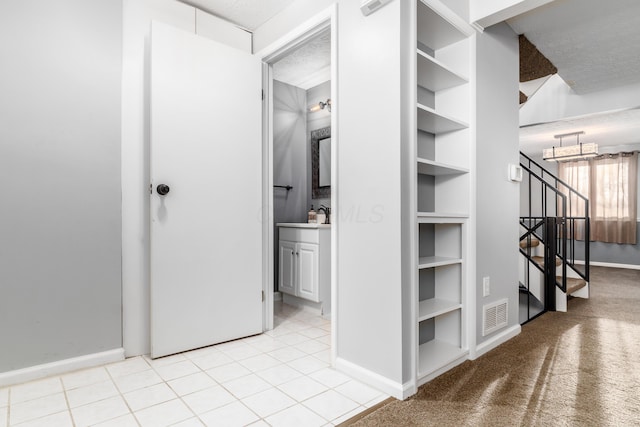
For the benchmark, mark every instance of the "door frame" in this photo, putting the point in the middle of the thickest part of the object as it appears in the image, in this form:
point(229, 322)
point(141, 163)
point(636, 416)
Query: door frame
point(269, 55)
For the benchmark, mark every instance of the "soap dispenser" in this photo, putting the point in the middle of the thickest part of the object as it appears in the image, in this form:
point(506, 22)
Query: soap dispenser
point(311, 216)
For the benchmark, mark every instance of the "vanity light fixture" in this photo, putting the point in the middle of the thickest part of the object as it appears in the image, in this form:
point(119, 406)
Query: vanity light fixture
point(320, 106)
point(570, 152)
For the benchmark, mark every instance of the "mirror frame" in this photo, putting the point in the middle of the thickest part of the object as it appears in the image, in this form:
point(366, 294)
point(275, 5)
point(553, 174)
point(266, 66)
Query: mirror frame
point(317, 135)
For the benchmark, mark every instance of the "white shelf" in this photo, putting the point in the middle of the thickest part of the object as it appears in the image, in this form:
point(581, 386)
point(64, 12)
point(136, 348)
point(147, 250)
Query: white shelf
point(434, 307)
point(438, 26)
point(435, 354)
point(429, 167)
point(434, 75)
point(437, 261)
point(432, 122)
point(441, 217)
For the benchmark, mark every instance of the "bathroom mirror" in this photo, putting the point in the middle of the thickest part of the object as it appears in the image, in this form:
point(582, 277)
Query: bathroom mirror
point(324, 148)
point(321, 162)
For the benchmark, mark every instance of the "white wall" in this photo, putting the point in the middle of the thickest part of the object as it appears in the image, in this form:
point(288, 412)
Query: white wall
point(60, 246)
point(137, 17)
point(290, 159)
point(369, 190)
point(290, 153)
point(497, 146)
point(369, 276)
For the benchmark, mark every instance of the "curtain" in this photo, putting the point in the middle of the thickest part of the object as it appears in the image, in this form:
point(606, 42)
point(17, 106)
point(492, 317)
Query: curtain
point(610, 183)
point(576, 174)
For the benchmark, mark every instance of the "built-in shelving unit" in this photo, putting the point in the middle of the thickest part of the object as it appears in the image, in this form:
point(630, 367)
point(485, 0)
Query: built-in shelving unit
point(443, 96)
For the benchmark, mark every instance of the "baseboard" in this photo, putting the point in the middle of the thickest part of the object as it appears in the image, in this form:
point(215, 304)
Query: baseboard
point(384, 384)
point(277, 296)
point(611, 264)
point(495, 341)
point(60, 367)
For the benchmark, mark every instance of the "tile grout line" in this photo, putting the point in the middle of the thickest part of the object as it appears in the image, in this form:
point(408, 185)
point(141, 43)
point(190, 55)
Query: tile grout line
point(8, 423)
point(197, 416)
point(178, 396)
point(122, 395)
point(66, 399)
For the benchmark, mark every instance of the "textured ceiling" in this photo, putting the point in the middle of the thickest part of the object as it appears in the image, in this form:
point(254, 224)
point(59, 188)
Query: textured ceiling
point(248, 14)
point(595, 44)
point(605, 129)
point(307, 66)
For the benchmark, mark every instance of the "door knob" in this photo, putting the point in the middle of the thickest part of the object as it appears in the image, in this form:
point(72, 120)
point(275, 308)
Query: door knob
point(163, 189)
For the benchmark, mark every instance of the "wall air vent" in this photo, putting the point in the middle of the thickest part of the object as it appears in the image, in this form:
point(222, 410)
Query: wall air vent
point(495, 316)
point(369, 6)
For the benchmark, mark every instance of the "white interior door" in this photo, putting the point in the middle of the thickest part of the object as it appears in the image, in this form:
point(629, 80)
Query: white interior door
point(206, 232)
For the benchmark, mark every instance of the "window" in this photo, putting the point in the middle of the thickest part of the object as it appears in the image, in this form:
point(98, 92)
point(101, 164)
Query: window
point(610, 183)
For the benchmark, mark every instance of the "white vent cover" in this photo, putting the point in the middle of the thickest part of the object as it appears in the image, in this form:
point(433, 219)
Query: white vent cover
point(495, 316)
point(369, 6)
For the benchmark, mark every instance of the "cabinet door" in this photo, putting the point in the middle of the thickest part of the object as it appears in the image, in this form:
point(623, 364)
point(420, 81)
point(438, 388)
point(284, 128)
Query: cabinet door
point(308, 260)
point(286, 282)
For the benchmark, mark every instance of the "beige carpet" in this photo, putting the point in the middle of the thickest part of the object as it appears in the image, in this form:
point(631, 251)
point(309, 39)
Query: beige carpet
point(580, 368)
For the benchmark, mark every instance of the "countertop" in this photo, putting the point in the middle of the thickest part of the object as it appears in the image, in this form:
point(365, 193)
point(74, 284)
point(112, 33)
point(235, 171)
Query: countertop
point(302, 225)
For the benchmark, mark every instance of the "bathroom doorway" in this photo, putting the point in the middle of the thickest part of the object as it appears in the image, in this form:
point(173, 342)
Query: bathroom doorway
point(300, 116)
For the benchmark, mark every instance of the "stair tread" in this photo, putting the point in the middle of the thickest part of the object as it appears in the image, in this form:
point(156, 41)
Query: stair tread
point(524, 243)
point(573, 284)
point(540, 260)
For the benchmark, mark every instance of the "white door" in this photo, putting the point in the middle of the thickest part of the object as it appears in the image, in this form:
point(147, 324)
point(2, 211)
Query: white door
point(206, 232)
point(308, 260)
point(286, 282)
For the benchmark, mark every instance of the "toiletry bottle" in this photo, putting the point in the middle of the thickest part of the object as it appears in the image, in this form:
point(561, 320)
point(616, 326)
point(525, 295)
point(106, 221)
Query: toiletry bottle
point(311, 216)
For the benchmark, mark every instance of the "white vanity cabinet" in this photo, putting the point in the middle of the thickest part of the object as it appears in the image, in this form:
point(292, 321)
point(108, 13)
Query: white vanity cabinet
point(305, 263)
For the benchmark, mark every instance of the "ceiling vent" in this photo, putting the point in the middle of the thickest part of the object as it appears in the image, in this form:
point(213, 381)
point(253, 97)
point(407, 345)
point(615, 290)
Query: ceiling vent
point(369, 6)
point(495, 316)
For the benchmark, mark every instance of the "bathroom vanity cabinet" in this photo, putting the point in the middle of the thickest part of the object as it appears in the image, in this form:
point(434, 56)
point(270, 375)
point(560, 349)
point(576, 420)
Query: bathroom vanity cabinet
point(305, 263)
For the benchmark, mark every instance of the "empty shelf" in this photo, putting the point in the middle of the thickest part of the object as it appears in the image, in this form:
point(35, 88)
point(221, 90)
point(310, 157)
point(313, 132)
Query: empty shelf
point(441, 27)
point(432, 122)
point(441, 217)
point(429, 167)
point(434, 75)
point(430, 308)
point(436, 354)
point(437, 261)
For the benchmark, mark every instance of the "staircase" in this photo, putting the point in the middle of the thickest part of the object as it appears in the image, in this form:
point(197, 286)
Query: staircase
point(554, 243)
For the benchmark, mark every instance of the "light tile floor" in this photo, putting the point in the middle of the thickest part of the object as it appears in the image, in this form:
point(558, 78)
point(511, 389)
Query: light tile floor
point(280, 378)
